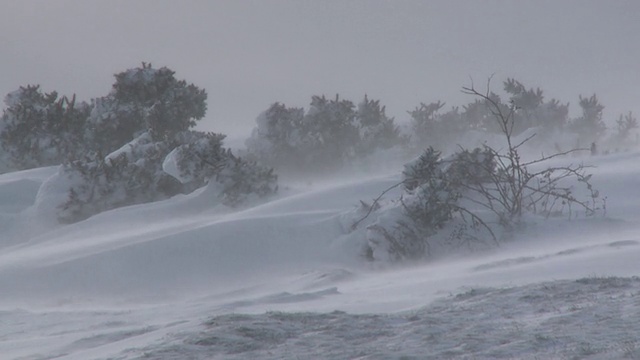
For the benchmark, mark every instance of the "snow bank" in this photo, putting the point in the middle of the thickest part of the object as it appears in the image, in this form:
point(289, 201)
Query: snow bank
point(18, 196)
point(53, 192)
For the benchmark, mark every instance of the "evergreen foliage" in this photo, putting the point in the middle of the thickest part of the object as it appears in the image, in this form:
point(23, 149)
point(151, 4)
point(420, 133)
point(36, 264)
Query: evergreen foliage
point(425, 123)
point(432, 127)
point(202, 160)
point(430, 192)
point(531, 109)
point(332, 133)
point(278, 136)
point(589, 126)
point(434, 190)
point(243, 181)
point(143, 124)
point(624, 126)
point(41, 129)
point(477, 115)
point(473, 194)
point(137, 173)
point(104, 184)
point(376, 129)
point(198, 157)
point(144, 99)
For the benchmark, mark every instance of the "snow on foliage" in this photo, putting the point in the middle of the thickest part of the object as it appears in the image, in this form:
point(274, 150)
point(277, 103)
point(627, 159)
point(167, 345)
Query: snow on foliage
point(331, 134)
point(143, 125)
point(472, 197)
point(40, 129)
point(198, 157)
point(431, 126)
point(144, 100)
point(243, 182)
point(126, 177)
point(278, 137)
point(376, 129)
point(590, 126)
point(203, 160)
point(429, 217)
point(136, 174)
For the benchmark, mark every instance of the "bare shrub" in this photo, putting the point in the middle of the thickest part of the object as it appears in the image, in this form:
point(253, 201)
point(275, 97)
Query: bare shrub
point(514, 187)
point(473, 193)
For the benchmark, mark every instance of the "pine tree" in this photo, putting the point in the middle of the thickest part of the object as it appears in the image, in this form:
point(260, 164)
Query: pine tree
point(278, 137)
point(624, 125)
point(532, 111)
point(590, 126)
point(41, 129)
point(145, 99)
point(376, 129)
point(330, 132)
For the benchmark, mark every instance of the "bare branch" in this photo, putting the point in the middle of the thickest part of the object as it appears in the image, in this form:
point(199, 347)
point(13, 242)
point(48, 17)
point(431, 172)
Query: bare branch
point(375, 202)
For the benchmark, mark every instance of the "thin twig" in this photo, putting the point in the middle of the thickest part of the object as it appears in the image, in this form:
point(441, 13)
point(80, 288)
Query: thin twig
point(375, 202)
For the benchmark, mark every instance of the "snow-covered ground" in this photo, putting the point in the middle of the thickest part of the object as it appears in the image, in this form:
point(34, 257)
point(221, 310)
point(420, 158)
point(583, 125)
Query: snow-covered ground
point(285, 279)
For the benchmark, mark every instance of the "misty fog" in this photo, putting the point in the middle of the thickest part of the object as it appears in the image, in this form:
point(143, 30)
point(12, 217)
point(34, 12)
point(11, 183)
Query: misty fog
point(248, 54)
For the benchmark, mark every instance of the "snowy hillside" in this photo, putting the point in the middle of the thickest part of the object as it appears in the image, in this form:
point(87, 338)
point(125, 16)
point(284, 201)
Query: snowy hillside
point(185, 278)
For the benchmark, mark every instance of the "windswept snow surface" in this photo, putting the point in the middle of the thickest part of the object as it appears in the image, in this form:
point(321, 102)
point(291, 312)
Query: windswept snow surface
point(188, 279)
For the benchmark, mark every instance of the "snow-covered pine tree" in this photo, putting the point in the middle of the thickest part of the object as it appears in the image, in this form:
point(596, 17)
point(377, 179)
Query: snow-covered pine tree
point(145, 99)
point(532, 111)
point(146, 115)
point(278, 137)
point(624, 126)
point(201, 160)
point(145, 170)
point(424, 129)
point(376, 129)
point(433, 189)
point(324, 138)
point(197, 157)
point(331, 133)
point(130, 175)
point(145, 118)
point(589, 126)
point(477, 115)
point(41, 129)
point(240, 181)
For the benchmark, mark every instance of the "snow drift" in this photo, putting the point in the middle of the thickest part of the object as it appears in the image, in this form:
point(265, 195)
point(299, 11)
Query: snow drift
point(163, 280)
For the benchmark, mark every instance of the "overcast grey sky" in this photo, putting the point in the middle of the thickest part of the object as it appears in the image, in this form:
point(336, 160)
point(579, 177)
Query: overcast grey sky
point(249, 54)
